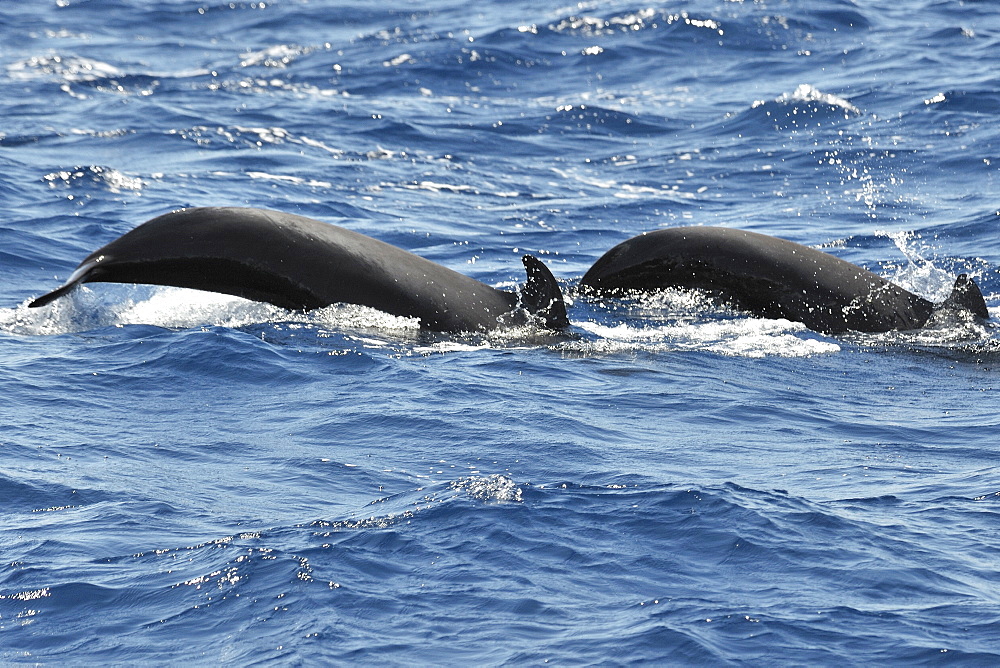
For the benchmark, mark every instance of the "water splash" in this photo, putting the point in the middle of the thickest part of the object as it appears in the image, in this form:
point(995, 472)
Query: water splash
point(919, 274)
point(809, 93)
point(495, 488)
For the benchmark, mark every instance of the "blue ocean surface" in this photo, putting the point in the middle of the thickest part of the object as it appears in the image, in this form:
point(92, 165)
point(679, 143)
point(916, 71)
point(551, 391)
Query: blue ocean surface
point(194, 479)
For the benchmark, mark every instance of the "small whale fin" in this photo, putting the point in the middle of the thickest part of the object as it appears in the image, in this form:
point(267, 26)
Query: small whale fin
point(81, 275)
point(541, 295)
point(966, 296)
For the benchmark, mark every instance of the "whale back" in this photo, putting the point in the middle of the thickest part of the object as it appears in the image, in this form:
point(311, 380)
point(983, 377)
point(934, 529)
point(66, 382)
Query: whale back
point(293, 262)
point(764, 275)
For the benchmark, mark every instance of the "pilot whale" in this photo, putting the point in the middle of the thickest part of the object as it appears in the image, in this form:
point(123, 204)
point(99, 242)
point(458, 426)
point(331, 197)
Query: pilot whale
point(299, 263)
point(771, 278)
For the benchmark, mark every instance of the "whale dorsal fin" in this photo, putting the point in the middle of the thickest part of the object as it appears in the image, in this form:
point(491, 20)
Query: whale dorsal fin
point(967, 296)
point(541, 295)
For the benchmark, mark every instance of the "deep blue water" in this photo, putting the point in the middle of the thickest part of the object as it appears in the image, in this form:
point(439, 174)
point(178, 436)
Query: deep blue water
point(193, 478)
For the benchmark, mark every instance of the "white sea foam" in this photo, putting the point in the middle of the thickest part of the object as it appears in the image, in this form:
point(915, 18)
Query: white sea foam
point(809, 93)
point(744, 337)
point(89, 308)
point(496, 488)
point(68, 68)
point(286, 178)
point(114, 180)
point(279, 56)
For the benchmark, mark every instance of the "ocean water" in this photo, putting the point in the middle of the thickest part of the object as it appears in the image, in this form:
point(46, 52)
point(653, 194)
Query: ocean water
point(192, 478)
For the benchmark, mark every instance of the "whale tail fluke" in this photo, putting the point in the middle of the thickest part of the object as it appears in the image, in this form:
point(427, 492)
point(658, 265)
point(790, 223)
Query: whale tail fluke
point(541, 295)
point(966, 296)
point(81, 275)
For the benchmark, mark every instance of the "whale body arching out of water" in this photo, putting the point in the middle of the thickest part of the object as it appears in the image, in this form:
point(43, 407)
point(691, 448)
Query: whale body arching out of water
point(300, 264)
point(772, 278)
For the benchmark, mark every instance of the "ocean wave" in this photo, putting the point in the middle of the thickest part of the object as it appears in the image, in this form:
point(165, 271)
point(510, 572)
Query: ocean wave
point(804, 109)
